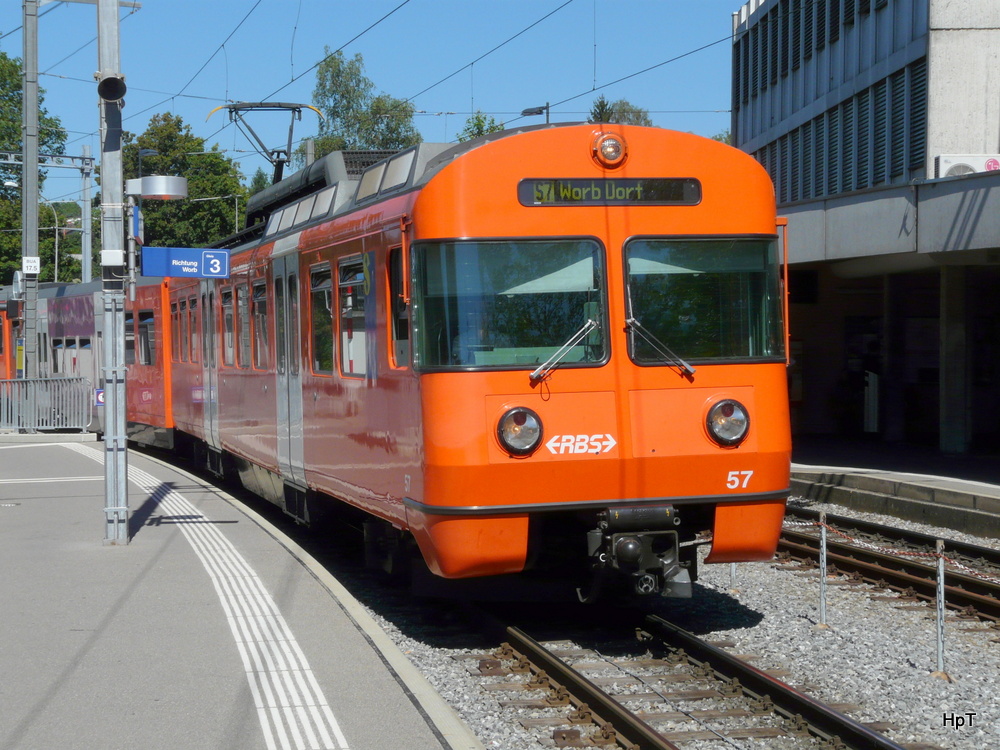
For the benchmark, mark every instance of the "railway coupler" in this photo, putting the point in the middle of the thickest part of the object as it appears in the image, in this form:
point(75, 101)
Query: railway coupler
point(642, 544)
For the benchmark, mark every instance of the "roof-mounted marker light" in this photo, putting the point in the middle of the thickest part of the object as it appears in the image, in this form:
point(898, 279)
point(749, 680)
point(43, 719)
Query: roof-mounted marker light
point(610, 150)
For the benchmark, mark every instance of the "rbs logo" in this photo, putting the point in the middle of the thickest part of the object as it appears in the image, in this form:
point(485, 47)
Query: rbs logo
point(580, 444)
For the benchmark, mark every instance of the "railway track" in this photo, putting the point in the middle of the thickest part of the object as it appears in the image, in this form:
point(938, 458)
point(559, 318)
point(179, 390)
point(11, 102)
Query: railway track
point(900, 560)
point(588, 700)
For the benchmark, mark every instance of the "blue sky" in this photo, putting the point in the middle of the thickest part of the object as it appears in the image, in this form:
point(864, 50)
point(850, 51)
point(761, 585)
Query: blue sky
point(449, 57)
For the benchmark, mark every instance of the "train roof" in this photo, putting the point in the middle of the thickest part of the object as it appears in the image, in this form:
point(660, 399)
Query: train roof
point(343, 181)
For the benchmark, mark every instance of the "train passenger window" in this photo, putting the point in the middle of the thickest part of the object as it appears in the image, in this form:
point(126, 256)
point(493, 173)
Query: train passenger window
point(704, 299)
point(400, 310)
point(261, 358)
point(370, 181)
point(280, 333)
point(129, 338)
point(185, 341)
point(57, 345)
point(175, 331)
point(209, 351)
point(72, 363)
point(511, 304)
point(293, 325)
point(398, 171)
point(226, 300)
point(287, 219)
point(194, 343)
point(147, 338)
point(304, 210)
point(324, 200)
point(351, 301)
point(321, 319)
point(243, 323)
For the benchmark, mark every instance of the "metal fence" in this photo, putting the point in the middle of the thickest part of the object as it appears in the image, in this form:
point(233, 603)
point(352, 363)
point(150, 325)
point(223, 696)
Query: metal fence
point(46, 404)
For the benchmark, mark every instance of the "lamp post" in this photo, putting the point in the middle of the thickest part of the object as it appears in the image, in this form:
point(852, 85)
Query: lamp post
point(532, 111)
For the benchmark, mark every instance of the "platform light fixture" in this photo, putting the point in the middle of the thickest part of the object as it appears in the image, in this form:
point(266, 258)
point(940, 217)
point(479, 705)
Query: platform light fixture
point(533, 111)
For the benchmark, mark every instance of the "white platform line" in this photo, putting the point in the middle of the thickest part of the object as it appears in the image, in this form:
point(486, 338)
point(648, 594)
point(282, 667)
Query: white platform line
point(291, 708)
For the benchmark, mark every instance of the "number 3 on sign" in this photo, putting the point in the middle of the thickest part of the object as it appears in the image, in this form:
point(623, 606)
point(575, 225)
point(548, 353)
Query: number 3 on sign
point(738, 479)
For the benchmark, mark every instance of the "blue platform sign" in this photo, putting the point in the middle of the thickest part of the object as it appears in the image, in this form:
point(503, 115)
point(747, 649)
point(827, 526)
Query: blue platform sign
point(192, 262)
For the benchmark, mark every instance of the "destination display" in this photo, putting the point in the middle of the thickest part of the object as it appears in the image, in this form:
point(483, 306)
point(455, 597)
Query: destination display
point(649, 191)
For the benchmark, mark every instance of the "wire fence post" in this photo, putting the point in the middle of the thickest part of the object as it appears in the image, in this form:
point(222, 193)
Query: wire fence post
point(939, 549)
point(822, 570)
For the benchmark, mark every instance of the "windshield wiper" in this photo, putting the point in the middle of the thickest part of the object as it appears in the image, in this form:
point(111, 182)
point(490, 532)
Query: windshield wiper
point(546, 367)
point(659, 347)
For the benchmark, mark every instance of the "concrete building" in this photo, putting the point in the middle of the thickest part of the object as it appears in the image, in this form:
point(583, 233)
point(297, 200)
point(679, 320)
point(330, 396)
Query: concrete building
point(879, 122)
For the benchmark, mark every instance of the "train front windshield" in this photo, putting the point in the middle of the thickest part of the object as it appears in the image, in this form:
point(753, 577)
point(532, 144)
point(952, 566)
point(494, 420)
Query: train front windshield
point(704, 300)
point(509, 304)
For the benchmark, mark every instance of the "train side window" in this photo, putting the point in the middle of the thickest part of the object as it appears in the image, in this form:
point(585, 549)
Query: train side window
point(57, 345)
point(175, 331)
point(43, 351)
point(260, 353)
point(184, 341)
point(280, 334)
point(293, 325)
point(321, 319)
point(351, 300)
point(226, 297)
point(129, 338)
point(209, 351)
point(243, 323)
point(400, 315)
point(147, 337)
point(194, 342)
point(71, 364)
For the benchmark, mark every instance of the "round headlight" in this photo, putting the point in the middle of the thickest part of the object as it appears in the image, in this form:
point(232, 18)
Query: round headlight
point(520, 431)
point(728, 422)
point(610, 150)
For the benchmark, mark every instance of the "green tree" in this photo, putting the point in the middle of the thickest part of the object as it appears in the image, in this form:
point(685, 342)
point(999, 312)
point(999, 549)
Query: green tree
point(216, 198)
point(724, 137)
point(51, 140)
point(601, 111)
point(261, 180)
point(353, 116)
point(477, 125)
point(620, 111)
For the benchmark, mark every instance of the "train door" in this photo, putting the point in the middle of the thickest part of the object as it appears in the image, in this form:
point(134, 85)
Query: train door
point(209, 365)
point(291, 449)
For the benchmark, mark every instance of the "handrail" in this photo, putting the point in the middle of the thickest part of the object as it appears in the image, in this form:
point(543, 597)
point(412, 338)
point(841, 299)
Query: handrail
point(29, 405)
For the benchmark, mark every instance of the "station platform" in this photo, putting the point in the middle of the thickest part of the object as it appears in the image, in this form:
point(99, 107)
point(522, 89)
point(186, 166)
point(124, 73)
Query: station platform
point(916, 483)
point(210, 629)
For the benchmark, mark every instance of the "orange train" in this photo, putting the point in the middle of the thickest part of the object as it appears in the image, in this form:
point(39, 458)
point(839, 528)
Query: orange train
point(557, 348)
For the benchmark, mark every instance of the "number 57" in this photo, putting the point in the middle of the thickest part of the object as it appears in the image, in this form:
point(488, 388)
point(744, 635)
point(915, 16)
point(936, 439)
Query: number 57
point(738, 479)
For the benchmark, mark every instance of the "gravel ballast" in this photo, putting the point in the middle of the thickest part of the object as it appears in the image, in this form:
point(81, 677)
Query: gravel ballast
point(873, 654)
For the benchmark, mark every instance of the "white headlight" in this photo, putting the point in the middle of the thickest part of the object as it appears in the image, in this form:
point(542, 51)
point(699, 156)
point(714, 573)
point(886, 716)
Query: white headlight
point(520, 431)
point(728, 422)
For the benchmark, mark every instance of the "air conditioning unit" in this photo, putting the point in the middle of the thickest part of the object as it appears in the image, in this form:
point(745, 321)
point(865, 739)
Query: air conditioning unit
point(956, 165)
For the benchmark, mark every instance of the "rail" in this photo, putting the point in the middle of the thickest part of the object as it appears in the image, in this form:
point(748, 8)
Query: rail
point(45, 404)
